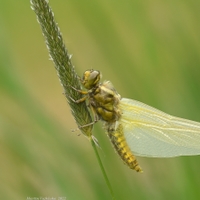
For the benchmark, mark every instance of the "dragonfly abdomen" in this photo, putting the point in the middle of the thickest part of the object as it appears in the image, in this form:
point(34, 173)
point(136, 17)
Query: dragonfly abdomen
point(122, 148)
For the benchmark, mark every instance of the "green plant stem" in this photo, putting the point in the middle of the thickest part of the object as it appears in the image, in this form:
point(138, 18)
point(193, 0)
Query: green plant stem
point(102, 168)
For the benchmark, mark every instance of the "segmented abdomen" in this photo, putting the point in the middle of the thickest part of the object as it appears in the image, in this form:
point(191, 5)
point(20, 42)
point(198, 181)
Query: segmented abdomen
point(121, 146)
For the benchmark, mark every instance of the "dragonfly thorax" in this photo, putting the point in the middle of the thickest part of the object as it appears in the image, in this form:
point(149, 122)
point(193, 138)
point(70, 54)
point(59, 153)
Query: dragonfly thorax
point(103, 98)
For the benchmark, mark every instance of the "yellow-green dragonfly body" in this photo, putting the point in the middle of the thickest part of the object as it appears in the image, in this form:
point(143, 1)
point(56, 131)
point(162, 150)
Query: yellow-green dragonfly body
point(136, 128)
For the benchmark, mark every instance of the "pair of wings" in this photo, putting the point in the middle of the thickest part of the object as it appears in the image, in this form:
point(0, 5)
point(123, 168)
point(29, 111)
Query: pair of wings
point(152, 133)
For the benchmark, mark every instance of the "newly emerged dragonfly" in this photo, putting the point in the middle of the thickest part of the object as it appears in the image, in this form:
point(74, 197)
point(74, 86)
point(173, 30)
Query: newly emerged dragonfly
point(135, 128)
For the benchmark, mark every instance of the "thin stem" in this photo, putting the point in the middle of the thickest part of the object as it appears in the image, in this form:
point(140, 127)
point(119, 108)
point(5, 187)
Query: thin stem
point(93, 143)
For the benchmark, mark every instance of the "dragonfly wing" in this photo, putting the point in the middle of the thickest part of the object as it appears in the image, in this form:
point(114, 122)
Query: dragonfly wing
point(150, 132)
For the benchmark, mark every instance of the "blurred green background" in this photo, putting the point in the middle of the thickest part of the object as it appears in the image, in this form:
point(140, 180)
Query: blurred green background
point(150, 50)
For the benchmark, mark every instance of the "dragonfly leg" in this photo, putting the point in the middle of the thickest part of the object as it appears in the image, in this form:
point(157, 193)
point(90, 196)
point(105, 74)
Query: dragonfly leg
point(96, 119)
point(79, 91)
point(85, 125)
point(78, 100)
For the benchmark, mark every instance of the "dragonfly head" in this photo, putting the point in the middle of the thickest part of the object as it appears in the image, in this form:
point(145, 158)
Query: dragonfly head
point(91, 78)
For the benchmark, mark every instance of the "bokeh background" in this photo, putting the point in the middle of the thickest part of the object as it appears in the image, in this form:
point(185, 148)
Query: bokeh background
point(150, 50)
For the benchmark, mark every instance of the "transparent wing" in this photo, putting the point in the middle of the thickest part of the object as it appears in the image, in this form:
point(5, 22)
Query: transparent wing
point(153, 133)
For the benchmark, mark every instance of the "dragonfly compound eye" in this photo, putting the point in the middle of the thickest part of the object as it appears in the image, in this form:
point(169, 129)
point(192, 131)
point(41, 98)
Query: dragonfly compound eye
point(90, 78)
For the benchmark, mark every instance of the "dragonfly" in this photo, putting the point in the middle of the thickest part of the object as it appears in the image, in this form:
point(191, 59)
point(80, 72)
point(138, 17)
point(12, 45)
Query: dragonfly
point(137, 129)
